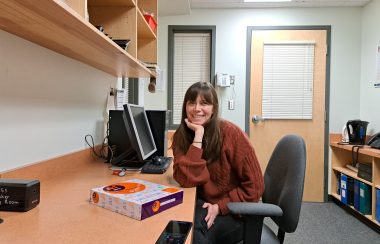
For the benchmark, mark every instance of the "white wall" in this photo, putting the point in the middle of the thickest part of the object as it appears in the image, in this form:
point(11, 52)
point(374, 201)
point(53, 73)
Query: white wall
point(231, 29)
point(370, 96)
point(48, 103)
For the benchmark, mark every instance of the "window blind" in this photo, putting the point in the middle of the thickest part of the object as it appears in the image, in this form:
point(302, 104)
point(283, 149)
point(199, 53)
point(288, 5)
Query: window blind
point(288, 70)
point(124, 85)
point(191, 64)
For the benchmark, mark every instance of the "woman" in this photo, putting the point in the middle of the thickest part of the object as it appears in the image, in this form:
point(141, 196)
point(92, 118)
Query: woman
point(215, 156)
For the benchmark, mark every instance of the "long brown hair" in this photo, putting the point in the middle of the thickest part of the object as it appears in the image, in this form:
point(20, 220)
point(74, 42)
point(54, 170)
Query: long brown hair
point(212, 142)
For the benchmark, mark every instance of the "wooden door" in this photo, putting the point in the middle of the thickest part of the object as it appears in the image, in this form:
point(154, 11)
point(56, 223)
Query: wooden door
point(266, 133)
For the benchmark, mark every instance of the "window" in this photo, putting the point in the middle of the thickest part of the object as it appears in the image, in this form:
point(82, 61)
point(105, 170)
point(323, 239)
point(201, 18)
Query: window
point(288, 80)
point(191, 59)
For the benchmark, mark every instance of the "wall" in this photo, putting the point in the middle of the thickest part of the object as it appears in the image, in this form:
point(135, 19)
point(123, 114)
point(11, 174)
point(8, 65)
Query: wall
point(370, 96)
point(48, 103)
point(231, 28)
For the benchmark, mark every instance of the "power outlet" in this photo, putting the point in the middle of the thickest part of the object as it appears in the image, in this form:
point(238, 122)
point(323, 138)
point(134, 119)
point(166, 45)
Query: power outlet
point(231, 104)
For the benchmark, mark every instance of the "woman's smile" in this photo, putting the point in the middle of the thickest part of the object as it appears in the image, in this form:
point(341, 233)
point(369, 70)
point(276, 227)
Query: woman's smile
point(199, 111)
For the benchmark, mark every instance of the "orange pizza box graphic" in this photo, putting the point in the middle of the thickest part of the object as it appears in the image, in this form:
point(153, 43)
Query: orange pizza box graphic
point(138, 199)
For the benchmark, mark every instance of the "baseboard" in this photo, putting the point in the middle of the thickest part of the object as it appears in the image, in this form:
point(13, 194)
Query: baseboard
point(46, 169)
point(330, 198)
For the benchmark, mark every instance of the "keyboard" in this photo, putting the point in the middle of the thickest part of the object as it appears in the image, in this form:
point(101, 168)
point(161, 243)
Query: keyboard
point(158, 165)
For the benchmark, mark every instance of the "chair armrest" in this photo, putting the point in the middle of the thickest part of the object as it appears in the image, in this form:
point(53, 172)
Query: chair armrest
point(258, 209)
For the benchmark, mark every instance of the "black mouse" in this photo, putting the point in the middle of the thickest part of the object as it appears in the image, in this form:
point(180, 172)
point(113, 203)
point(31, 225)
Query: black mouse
point(157, 160)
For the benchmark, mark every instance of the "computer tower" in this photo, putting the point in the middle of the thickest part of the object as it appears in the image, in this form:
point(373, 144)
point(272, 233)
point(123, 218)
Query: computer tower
point(159, 121)
point(117, 134)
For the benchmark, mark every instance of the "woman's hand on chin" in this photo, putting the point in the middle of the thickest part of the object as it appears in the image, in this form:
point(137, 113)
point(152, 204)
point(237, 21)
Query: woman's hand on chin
point(196, 128)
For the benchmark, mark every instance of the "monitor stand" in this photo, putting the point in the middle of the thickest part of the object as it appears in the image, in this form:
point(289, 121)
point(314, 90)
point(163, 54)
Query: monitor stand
point(128, 159)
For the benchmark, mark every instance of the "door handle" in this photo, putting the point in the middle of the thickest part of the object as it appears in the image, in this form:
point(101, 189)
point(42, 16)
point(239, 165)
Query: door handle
point(256, 119)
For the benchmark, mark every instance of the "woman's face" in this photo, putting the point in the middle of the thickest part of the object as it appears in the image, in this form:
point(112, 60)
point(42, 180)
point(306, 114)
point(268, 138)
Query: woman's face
point(199, 111)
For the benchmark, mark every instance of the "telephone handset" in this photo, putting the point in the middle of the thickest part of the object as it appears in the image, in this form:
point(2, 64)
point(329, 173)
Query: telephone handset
point(223, 80)
point(374, 141)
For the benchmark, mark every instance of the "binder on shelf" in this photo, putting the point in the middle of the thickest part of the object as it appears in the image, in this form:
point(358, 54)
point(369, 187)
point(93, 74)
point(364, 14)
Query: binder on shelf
point(350, 191)
point(378, 205)
point(343, 188)
point(365, 204)
point(357, 195)
point(338, 184)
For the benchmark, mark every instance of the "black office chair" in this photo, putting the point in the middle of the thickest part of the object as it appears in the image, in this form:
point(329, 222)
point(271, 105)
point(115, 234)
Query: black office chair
point(284, 181)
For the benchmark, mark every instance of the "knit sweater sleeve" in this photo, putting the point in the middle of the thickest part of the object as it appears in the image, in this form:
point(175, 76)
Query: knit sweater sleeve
point(247, 168)
point(190, 169)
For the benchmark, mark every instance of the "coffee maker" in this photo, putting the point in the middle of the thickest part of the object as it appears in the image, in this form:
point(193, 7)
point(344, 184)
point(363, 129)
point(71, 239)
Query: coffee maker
point(357, 130)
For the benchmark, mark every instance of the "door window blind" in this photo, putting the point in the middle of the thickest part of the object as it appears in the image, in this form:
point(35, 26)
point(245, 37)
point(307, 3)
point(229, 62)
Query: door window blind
point(191, 64)
point(288, 70)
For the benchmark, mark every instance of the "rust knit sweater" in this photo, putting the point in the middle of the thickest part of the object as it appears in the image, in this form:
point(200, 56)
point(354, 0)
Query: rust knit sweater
point(236, 177)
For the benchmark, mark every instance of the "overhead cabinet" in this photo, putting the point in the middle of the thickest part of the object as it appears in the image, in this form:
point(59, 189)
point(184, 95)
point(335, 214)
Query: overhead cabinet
point(68, 27)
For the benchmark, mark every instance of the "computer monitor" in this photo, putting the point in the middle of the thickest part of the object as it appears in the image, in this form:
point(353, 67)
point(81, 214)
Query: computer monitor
point(138, 130)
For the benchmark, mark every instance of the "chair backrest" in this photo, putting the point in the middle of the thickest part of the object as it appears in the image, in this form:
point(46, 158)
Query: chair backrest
point(284, 180)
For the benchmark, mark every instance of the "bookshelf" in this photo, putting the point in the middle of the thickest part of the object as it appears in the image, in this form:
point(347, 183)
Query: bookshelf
point(342, 155)
point(67, 27)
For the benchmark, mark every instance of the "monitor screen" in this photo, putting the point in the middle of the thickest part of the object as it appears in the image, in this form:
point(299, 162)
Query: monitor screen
point(138, 130)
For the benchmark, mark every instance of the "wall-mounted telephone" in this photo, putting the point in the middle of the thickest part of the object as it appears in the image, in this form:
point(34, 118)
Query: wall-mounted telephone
point(374, 141)
point(223, 80)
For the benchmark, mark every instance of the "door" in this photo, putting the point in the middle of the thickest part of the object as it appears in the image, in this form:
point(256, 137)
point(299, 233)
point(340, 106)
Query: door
point(265, 134)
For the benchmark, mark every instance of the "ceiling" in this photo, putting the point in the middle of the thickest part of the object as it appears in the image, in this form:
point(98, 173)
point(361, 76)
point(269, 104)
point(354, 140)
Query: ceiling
point(180, 7)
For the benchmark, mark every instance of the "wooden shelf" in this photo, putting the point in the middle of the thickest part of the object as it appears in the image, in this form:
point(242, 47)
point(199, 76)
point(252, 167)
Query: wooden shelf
point(366, 150)
point(144, 30)
point(339, 198)
point(368, 216)
point(54, 25)
point(336, 196)
point(342, 155)
point(129, 3)
point(351, 173)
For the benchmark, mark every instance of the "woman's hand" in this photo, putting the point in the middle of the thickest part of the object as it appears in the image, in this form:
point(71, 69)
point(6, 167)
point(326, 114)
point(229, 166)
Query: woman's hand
point(212, 212)
point(194, 127)
point(199, 131)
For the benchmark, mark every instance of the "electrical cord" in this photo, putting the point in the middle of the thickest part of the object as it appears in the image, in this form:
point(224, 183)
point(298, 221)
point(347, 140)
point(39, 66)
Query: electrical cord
point(355, 154)
point(343, 143)
point(102, 153)
point(234, 93)
point(110, 158)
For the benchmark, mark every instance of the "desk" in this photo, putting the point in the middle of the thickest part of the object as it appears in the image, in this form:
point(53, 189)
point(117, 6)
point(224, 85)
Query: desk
point(65, 215)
